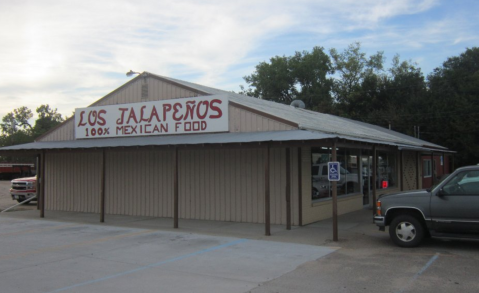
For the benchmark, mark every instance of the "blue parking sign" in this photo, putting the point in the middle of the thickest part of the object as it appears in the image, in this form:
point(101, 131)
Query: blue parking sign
point(333, 171)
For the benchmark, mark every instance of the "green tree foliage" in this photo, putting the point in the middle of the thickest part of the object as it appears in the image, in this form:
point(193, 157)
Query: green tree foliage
point(47, 119)
point(454, 101)
point(16, 128)
point(397, 99)
point(301, 76)
point(356, 74)
point(351, 84)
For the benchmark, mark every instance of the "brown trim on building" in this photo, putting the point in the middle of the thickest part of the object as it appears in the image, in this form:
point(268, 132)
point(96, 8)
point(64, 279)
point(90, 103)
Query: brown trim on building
point(272, 117)
point(418, 159)
point(42, 186)
point(401, 172)
point(175, 191)
point(375, 170)
point(300, 188)
point(102, 191)
point(335, 196)
point(267, 216)
point(288, 189)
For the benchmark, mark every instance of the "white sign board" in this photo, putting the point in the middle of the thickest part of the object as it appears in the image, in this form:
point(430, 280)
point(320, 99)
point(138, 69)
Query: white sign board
point(177, 116)
point(333, 171)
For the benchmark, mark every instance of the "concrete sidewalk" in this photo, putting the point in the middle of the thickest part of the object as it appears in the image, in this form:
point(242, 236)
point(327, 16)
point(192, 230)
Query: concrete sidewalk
point(319, 233)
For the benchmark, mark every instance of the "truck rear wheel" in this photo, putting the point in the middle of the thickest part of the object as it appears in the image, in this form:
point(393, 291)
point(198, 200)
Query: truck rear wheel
point(406, 231)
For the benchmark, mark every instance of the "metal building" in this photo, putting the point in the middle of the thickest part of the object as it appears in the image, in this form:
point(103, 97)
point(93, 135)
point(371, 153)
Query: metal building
point(162, 147)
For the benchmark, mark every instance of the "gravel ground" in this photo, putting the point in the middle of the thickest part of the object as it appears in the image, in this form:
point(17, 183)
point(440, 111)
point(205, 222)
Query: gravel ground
point(6, 200)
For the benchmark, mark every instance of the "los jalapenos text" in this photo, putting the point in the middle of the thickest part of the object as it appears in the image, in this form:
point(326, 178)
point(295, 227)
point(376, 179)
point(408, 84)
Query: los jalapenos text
point(190, 116)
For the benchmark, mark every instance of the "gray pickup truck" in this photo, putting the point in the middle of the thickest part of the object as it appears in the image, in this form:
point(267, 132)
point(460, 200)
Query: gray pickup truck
point(448, 210)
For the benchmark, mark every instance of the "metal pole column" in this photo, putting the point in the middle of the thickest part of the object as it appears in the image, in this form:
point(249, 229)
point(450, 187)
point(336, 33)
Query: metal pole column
point(102, 192)
point(375, 170)
point(288, 188)
point(267, 220)
point(175, 191)
point(335, 197)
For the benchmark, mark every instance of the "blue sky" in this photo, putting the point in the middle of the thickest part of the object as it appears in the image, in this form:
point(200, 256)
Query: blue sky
point(71, 53)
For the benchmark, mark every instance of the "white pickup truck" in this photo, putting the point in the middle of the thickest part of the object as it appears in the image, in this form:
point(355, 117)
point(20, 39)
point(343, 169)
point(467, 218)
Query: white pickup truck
point(23, 188)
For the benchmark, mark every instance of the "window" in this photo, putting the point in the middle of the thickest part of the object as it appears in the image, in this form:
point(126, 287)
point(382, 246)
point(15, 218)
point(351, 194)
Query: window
point(387, 171)
point(426, 168)
point(464, 183)
point(349, 177)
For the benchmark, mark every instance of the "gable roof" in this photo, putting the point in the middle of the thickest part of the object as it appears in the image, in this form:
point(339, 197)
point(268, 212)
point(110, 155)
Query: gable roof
point(326, 124)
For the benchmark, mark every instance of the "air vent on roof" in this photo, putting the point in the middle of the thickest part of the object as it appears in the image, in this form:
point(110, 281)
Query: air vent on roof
point(298, 104)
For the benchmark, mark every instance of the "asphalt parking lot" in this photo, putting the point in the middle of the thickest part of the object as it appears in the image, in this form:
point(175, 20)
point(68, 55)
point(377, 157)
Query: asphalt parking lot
point(71, 252)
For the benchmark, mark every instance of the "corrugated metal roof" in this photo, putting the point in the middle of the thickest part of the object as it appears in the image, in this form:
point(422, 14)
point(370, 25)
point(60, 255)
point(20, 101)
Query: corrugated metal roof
point(316, 121)
point(189, 139)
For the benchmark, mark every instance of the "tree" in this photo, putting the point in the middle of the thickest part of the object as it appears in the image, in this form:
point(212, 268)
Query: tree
point(354, 70)
point(454, 99)
point(400, 97)
point(47, 119)
point(16, 121)
point(301, 76)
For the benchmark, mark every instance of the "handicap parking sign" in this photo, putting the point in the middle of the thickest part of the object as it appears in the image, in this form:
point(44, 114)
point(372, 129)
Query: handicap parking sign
point(333, 171)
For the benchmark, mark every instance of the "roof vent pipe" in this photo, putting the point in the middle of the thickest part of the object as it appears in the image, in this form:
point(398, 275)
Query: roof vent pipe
point(298, 104)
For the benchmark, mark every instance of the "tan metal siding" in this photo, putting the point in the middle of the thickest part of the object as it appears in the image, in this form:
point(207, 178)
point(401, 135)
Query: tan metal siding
point(73, 182)
point(139, 183)
point(214, 184)
point(64, 132)
point(157, 90)
point(228, 185)
point(241, 120)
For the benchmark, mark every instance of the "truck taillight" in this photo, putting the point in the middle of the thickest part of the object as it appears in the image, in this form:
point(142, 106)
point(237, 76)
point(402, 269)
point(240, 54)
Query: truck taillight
point(378, 208)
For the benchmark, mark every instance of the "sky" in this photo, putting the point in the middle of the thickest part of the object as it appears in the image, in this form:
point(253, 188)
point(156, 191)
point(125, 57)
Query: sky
point(69, 53)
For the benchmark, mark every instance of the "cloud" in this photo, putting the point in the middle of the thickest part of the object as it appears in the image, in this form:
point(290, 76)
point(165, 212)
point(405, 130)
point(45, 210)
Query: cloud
point(71, 53)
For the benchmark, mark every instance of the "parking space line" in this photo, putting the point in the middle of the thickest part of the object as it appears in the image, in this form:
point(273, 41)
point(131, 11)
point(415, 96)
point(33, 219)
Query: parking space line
point(38, 230)
point(152, 265)
point(424, 268)
point(60, 247)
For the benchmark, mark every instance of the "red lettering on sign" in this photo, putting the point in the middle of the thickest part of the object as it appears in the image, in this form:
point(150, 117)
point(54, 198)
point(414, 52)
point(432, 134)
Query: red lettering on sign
point(190, 109)
point(132, 116)
point(101, 119)
point(81, 123)
point(216, 109)
point(121, 120)
point(176, 110)
point(154, 113)
point(166, 109)
point(205, 112)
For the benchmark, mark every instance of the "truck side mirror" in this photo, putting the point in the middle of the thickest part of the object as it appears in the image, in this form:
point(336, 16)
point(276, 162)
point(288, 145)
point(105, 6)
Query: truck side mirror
point(440, 192)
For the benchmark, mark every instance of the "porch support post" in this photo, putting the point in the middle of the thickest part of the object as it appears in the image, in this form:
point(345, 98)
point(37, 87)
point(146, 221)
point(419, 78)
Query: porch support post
point(38, 172)
point(375, 170)
point(42, 185)
point(300, 189)
point(267, 220)
point(335, 197)
point(401, 171)
point(433, 170)
point(288, 188)
point(175, 190)
point(102, 192)
point(417, 170)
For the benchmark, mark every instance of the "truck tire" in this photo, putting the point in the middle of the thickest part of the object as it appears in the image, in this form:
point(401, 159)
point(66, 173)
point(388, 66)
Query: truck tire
point(406, 231)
